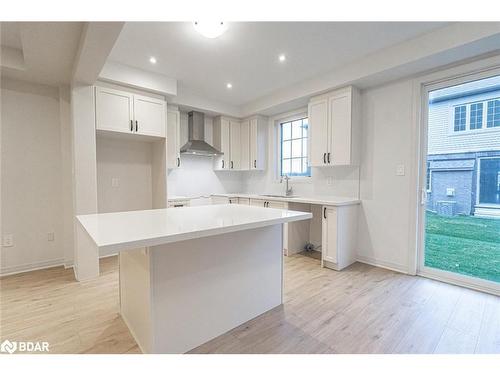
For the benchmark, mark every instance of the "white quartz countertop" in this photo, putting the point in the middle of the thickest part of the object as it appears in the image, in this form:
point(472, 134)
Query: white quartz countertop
point(135, 229)
point(322, 200)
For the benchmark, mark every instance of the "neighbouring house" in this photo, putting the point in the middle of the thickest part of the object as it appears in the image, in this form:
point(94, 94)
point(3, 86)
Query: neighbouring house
point(463, 162)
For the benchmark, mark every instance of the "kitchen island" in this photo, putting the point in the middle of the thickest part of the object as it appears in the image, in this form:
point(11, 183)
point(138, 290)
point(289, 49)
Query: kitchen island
point(189, 274)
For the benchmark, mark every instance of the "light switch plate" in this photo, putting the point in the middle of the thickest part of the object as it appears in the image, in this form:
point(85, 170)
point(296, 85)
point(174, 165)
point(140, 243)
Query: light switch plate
point(50, 236)
point(400, 170)
point(8, 240)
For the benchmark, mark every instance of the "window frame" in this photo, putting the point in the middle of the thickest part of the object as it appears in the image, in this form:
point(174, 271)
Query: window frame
point(468, 108)
point(478, 181)
point(276, 142)
point(280, 141)
point(494, 113)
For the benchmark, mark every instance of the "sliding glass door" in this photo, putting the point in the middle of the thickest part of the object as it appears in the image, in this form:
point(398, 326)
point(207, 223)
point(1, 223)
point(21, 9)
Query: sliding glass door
point(460, 207)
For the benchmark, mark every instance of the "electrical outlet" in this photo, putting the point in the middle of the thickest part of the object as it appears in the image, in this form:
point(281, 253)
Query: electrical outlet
point(115, 182)
point(400, 170)
point(8, 240)
point(50, 236)
point(329, 180)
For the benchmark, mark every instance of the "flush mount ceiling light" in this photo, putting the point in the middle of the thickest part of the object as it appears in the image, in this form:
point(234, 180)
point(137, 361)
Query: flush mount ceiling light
point(210, 29)
point(229, 85)
point(282, 58)
point(152, 60)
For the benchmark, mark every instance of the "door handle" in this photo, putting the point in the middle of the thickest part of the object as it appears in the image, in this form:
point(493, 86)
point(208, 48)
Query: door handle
point(324, 158)
point(131, 125)
point(178, 162)
point(324, 212)
point(328, 158)
point(136, 125)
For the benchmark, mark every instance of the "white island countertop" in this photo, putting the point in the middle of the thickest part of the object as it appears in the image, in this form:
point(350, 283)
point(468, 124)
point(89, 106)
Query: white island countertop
point(134, 229)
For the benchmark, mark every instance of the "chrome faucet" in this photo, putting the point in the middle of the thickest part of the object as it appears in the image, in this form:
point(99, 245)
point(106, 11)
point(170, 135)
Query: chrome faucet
point(288, 189)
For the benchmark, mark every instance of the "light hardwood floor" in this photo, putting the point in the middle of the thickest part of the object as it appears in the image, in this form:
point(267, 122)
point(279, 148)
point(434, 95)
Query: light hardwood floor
point(362, 309)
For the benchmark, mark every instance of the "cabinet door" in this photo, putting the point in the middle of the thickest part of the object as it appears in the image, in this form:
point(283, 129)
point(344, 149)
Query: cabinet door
point(225, 144)
point(244, 201)
point(329, 234)
point(257, 202)
point(149, 116)
point(245, 145)
point(340, 129)
point(114, 110)
point(253, 144)
point(277, 204)
point(234, 145)
point(318, 132)
point(173, 139)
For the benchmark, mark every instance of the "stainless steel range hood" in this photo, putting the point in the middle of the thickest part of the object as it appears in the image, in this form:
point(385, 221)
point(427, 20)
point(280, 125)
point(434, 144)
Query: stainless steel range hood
point(196, 144)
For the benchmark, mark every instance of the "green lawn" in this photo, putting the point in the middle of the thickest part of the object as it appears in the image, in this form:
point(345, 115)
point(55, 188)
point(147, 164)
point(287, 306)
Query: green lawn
point(463, 244)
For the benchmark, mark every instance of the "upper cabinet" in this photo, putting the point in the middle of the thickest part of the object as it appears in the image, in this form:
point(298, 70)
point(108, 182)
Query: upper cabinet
point(173, 139)
point(124, 112)
point(242, 142)
point(334, 121)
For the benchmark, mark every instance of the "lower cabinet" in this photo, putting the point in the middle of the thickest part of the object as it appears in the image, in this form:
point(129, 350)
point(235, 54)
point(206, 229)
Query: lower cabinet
point(339, 230)
point(244, 201)
point(220, 200)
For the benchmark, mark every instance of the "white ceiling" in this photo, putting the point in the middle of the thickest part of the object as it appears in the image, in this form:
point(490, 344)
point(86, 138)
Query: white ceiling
point(247, 54)
point(48, 50)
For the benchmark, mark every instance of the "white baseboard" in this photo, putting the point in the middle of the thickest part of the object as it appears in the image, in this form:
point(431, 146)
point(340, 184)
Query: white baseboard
point(382, 264)
point(21, 268)
point(13, 270)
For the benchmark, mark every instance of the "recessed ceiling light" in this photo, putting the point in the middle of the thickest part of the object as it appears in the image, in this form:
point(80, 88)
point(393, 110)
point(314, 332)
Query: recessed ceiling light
point(229, 85)
point(210, 29)
point(152, 60)
point(282, 58)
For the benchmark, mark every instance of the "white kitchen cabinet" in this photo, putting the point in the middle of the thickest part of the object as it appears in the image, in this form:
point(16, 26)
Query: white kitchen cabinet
point(277, 204)
point(257, 143)
point(318, 132)
point(173, 139)
point(221, 141)
point(257, 202)
point(235, 145)
point(123, 112)
point(339, 228)
point(245, 201)
point(217, 199)
point(242, 142)
point(149, 116)
point(114, 110)
point(334, 123)
point(245, 145)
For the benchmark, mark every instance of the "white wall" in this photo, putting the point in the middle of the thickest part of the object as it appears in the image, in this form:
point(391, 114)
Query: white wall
point(384, 225)
point(130, 163)
point(33, 175)
point(196, 176)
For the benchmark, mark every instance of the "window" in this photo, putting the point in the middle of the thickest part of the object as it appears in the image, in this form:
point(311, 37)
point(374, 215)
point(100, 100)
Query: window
point(489, 181)
point(294, 148)
point(476, 116)
point(460, 118)
point(493, 118)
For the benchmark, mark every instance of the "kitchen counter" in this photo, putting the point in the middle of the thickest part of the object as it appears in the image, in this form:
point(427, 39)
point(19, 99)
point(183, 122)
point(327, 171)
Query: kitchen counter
point(320, 200)
point(125, 230)
point(189, 274)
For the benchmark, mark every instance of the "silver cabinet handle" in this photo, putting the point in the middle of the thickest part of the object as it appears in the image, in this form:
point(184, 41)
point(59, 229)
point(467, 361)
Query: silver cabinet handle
point(324, 212)
point(328, 158)
point(136, 125)
point(222, 163)
point(131, 125)
point(178, 162)
point(324, 158)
